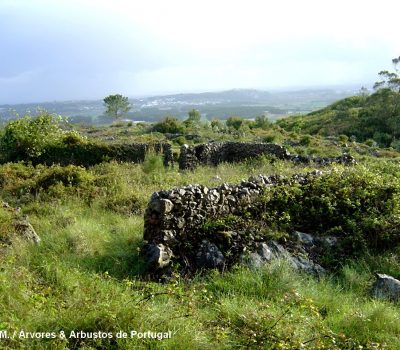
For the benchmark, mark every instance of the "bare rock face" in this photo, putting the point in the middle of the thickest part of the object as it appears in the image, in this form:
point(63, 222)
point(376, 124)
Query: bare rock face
point(25, 230)
point(386, 287)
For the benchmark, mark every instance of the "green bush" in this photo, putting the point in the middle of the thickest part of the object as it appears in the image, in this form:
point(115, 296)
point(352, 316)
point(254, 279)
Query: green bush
point(68, 176)
point(180, 140)
point(305, 140)
point(270, 138)
point(29, 137)
point(343, 138)
point(169, 125)
point(124, 204)
point(357, 204)
point(153, 163)
point(6, 225)
point(370, 142)
point(262, 122)
point(234, 122)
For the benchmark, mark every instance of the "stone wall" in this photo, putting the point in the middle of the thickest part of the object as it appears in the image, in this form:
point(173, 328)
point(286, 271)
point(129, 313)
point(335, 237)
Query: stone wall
point(214, 153)
point(173, 221)
point(91, 153)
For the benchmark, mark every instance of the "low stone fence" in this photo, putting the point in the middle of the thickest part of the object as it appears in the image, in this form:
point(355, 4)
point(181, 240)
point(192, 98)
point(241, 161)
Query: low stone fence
point(173, 220)
point(91, 153)
point(214, 153)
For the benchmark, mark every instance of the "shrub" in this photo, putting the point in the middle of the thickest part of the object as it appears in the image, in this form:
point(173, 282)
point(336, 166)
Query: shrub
point(180, 140)
point(357, 204)
point(371, 143)
point(169, 125)
point(270, 138)
point(29, 137)
point(234, 122)
point(153, 163)
point(70, 175)
point(125, 204)
point(216, 125)
point(343, 138)
point(396, 145)
point(262, 122)
point(305, 140)
point(6, 225)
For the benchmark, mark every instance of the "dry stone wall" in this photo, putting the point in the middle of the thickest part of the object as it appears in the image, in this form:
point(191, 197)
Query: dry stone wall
point(87, 154)
point(173, 221)
point(214, 153)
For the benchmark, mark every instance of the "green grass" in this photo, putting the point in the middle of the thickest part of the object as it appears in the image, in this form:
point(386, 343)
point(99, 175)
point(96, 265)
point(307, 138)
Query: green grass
point(87, 275)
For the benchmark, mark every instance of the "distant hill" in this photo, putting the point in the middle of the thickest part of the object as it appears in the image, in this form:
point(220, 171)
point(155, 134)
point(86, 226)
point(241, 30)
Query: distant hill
point(375, 116)
point(247, 103)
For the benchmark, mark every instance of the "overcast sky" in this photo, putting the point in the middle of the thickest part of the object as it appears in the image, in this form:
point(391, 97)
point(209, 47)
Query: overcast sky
point(87, 49)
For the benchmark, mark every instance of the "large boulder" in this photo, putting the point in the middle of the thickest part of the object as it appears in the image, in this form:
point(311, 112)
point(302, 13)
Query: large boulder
point(260, 256)
point(209, 256)
point(157, 256)
point(386, 287)
point(266, 252)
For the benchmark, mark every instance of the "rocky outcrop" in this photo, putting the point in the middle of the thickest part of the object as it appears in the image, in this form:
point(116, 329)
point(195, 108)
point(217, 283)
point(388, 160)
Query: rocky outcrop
point(174, 222)
point(24, 229)
point(214, 153)
point(299, 251)
point(16, 225)
point(386, 287)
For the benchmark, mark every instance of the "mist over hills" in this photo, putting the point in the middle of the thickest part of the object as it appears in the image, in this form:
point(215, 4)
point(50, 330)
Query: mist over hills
point(247, 103)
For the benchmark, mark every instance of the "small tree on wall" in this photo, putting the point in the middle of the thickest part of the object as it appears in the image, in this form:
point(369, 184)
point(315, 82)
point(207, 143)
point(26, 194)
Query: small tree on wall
point(117, 106)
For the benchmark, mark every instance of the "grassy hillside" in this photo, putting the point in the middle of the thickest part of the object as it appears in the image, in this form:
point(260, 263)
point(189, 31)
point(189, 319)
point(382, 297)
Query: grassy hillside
point(86, 275)
point(375, 116)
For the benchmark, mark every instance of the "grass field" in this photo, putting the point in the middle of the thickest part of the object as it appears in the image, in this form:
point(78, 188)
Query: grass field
point(86, 275)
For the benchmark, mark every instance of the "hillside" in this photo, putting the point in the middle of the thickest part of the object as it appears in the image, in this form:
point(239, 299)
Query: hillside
point(247, 103)
point(375, 116)
point(81, 281)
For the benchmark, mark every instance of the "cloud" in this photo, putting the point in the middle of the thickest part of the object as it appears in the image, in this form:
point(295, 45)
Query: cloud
point(83, 49)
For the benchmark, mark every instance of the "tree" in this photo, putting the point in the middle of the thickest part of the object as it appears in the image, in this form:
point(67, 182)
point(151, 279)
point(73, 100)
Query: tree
point(262, 122)
point(216, 125)
point(117, 105)
point(390, 80)
point(194, 118)
point(386, 112)
point(234, 122)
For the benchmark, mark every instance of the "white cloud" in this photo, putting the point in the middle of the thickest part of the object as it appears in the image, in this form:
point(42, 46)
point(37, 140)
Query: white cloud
point(179, 45)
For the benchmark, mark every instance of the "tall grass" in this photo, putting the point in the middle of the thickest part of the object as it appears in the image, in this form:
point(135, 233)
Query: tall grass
point(87, 275)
